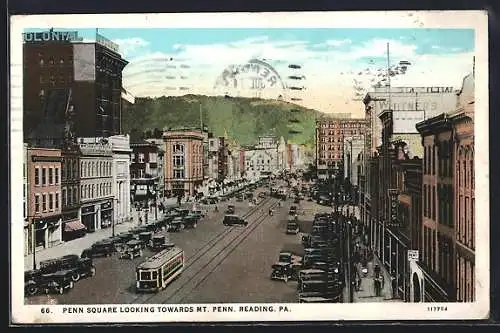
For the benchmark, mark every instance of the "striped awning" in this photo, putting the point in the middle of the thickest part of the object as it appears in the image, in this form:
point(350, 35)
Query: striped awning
point(74, 226)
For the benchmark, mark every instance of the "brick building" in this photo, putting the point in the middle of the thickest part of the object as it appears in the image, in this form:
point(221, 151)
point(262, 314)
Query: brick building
point(330, 134)
point(44, 197)
point(183, 161)
point(144, 169)
point(90, 72)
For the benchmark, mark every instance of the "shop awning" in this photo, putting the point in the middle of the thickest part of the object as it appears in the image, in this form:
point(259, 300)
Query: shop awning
point(74, 226)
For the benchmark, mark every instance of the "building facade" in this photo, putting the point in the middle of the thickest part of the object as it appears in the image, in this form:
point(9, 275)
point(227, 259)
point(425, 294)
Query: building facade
point(183, 161)
point(70, 183)
point(259, 163)
point(159, 171)
point(44, 197)
point(96, 184)
point(25, 199)
point(353, 146)
point(144, 170)
point(121, 151)
point(330, 134)
point(90, 72)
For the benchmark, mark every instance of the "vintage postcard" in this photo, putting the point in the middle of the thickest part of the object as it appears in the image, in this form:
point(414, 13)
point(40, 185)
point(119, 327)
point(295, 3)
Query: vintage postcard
point(249, 167)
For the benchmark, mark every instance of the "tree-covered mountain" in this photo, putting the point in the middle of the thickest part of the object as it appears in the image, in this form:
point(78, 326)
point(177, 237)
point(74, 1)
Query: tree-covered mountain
point(243, 119)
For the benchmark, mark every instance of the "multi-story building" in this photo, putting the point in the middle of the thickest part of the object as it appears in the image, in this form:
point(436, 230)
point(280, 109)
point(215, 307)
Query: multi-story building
point(159, 171)
point(60, 67)
point(144, 170)
point(409, 105)
point(233, 164)
point(448, 201)
point(96, 183)
point(70, 183)
point(330, 134)
point(183, 161)
point(44, 197)
point(120, 148)
point(259, 162)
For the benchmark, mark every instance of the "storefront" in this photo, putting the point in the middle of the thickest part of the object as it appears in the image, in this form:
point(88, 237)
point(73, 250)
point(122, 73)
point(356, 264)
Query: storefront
point(106, 214)
point(72, 226)
point(48, 231)
point(89, 217)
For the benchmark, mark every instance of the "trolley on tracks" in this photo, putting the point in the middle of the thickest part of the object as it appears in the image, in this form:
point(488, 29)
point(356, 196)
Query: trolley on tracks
point(158, 271)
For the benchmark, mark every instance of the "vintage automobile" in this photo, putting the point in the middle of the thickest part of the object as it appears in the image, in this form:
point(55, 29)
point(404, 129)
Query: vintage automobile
point(191, 221)
point(32, 280)
point(159, 243)
point(311, 274)
point(239, 197)
point(281, 271)
point(145, 237)
point(56, 264)
point(230, 209)
point(182, 211)
point(103, 248)
point(57, 282)
point(176, 225)
point(292, 228)
point(201, 213)
point(230, 219)
point(262, 195)
point(131, 249)
point(293, 210)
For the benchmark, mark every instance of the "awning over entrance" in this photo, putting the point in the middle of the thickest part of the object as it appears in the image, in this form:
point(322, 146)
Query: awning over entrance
point(74, 226)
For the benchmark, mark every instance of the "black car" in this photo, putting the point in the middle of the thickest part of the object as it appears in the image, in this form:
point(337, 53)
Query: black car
point(293, 210)
point(57, 282)
point(191, 221)
point(102, 248)
point(159, 243)
point(32, 281)
point(292, 227)
point(56, 264)
point(230, 219)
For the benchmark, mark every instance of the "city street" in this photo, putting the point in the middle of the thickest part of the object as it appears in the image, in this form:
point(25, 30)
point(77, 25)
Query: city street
point(223, 264)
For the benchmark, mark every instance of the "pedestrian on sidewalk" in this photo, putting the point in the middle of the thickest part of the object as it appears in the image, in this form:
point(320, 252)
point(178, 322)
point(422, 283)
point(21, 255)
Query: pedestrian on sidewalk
point(140, 220)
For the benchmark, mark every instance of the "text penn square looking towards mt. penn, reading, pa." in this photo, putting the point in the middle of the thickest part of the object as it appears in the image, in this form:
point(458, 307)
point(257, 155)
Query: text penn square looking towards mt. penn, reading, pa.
point(239, 168)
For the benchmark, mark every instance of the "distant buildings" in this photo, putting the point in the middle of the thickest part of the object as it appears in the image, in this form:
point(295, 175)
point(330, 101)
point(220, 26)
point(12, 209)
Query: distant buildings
point(330, 134)
point(267, 157)
point(144, 170)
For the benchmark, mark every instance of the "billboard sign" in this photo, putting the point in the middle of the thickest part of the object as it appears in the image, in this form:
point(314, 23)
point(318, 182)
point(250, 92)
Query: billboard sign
point(51, 36)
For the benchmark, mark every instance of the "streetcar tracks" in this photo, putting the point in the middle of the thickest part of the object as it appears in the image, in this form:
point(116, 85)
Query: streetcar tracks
point(201, 253)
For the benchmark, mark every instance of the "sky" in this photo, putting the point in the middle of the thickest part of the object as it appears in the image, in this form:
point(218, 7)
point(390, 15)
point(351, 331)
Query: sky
point(337, 66)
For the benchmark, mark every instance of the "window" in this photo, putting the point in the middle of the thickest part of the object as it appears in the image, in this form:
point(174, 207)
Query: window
point(75, 192)
point(64, 198)
point(178, 174)
point(44, 202)
point(51, 176)
point(433, 194)
point(56, 204)
point(56, 175)
point(141, 158)
point(44, 176)
point(178, 148)
point(75, 169)
point(37, 203)
point(51, 201)
point(37, 176)
point(178, 161)
point(152, 158)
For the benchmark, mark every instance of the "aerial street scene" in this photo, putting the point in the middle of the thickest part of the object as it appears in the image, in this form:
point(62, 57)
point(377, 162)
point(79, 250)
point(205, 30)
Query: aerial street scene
point(250, 165)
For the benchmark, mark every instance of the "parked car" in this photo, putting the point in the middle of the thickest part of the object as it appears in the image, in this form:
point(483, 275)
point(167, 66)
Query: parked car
point(131, 249)
point(190, 221)
point(281, 271)
point(145, 236)
point(59, 282)
point(159, 243)
point(61, 263)
point(231, 219)
point(103, 248)
point(32, 281)
point(293, 210)
point(177, 224)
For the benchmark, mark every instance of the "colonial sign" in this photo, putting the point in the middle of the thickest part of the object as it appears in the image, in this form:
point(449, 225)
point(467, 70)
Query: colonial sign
point(393, 208)
point(52, 36)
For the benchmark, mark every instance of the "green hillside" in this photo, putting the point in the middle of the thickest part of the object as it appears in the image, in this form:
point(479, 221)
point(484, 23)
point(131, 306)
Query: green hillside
point(244, 119)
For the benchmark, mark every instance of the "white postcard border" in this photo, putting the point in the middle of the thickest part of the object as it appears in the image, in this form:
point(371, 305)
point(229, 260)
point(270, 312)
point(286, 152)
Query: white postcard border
point(477, 20)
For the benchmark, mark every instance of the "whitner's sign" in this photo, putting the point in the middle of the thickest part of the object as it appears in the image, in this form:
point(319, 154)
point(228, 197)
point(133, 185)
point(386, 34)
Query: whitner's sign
point(52, 36)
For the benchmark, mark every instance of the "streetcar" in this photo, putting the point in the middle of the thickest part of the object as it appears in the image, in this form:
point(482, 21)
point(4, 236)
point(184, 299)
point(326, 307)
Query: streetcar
point(158, 271)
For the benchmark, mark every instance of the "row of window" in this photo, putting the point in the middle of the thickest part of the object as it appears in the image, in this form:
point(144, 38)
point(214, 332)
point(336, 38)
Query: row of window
point(445, 258)
point(340, 133)
point(331, 139)
point(429, 244)
point(46, 202)
point(69, 196)
point(96, 168)
point(445, 204)
point(259, 161)
point(330, 156)
point(465, 169)
point(331, 147)
point(89, 191)
point(429, 201)
point(70, 169)
point(439, 157)
point(140, 158)
point(465, 279)
point(465, 221)
point(47, 176)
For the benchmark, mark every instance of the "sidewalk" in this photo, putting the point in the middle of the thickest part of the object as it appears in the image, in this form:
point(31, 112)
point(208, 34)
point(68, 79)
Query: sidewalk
point(76, 246)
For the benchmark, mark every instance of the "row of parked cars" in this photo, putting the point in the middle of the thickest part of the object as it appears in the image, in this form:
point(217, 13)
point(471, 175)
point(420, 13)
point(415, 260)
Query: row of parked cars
point(57, 275)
